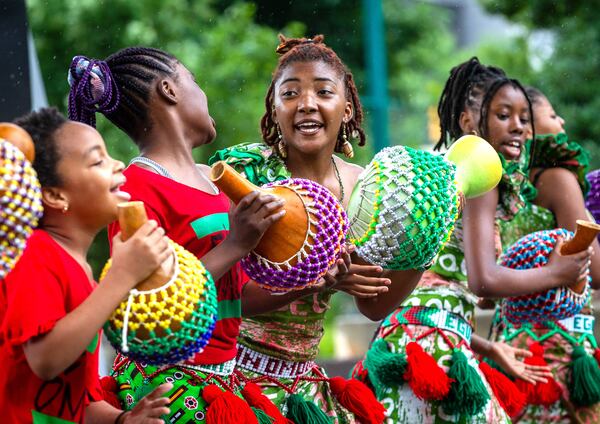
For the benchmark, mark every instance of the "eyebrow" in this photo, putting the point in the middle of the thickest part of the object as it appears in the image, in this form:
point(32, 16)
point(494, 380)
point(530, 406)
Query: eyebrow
point(91, 150)
point(293, 79)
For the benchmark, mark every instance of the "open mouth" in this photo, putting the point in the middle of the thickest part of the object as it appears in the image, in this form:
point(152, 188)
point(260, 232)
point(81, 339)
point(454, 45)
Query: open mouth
point(308, 127)
point(513, 148)
point(122, 195)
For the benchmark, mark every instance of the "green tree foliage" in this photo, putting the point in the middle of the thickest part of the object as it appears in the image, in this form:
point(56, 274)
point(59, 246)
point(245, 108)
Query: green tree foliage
point(569, 76)
point(231, 56)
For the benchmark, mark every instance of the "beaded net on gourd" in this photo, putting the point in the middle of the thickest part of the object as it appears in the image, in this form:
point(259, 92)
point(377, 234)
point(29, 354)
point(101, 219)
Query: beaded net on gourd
point(533, 251)
point(403, 208)
point(20, 204)
point(325, 233)
point(592, 201)
point(170, 323)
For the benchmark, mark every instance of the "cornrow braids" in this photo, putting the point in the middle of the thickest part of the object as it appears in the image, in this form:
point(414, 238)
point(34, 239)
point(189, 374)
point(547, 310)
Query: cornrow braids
point(42, 125)
point(467, 84)
point(472, 85)
point(292, 50)
point(126, 77)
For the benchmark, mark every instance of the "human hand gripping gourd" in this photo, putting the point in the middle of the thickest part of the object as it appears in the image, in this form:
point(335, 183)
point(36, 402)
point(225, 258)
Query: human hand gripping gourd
point(570, 268)
point(252, 216)
point(135, 259)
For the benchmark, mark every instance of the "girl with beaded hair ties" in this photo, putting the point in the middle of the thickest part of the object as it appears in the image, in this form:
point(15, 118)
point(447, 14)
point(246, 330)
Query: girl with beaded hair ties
point(422, 364)
point(156, 101)
point(312, 111)
point(556, 167)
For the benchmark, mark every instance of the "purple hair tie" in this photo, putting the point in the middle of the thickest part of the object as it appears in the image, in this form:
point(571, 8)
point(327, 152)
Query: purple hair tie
point(93, 89)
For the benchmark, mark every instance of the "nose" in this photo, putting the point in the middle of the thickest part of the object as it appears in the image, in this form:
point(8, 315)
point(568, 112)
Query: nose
point(307, 103)
point(562, 121)
point(118, 166)
point(516, 125)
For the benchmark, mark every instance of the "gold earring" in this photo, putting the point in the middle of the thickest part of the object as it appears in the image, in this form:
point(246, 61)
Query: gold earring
point(346, 146)
point(475, 133)
point(65, 208)
point(281, 147)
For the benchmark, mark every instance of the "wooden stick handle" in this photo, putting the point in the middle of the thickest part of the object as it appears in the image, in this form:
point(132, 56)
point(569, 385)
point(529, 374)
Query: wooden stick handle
point(585, 234)
point(132, 215)
point(231, 182)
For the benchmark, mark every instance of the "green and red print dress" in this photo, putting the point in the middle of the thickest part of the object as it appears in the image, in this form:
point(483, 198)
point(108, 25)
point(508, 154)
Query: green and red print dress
point(198, 221)
point(563, 342)
point(45, 285)
point(277, 350)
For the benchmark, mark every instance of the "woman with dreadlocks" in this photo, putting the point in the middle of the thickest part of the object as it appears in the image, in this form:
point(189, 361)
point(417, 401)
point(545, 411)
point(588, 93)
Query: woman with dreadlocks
point(422, 363)
point(312, 111)
point(155, 100)
point(558, 168)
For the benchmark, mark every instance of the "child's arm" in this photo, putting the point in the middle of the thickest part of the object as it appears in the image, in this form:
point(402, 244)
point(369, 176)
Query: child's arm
point(249, 220)
point(147, 411)
point(559, 191)
point(488, 279)
point(134, 260)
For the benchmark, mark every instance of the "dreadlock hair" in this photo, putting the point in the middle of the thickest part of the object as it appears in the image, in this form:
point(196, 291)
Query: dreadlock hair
point(118, 87)
point(471, 85)
point(42, 126)
point(292, 50)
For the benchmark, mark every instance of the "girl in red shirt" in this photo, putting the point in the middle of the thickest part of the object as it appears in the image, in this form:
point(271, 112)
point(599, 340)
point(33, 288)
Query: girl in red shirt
point(156, 101)
point(51, 310)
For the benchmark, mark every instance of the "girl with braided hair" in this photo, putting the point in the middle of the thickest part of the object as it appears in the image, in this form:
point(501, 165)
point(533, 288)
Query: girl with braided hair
point(312, 111)
point(155, 100)
point(422, 364)
point(557, 168)
point(51, 309)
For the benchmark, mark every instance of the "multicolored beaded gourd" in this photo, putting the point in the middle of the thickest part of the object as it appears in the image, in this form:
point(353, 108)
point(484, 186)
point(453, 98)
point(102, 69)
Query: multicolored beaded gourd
point(170, 323)
point(325, 233)
point(20, 204)
point(533, 251)
point(403, 208)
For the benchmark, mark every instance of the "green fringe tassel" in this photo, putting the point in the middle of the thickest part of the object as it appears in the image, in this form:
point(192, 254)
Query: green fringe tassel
point(584, 379)
point(262, 416)
point(386, 369)
point(305, 412)
point(468, 395)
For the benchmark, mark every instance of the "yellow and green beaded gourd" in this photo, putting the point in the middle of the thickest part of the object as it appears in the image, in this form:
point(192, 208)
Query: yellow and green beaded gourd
point(404, 205)
point(166, 322)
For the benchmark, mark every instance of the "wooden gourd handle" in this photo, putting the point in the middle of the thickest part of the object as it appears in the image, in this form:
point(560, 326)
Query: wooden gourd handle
point(18, 137)
point(132, 215)
point(230, 182)
point(585, 234)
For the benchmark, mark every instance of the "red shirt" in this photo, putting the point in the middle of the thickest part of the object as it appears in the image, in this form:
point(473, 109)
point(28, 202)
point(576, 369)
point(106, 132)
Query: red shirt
point(198, 221)
point(45, 285)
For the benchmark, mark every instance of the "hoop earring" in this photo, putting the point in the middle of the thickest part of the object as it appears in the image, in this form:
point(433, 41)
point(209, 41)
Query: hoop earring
point(475, 133)
point(281, 147)
point(346, 146)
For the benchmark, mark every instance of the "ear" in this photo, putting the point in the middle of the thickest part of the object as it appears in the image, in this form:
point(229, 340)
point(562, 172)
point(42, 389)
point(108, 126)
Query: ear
point(54, 198)
point(466, 122)
point(348, 112)
point(167, 91)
